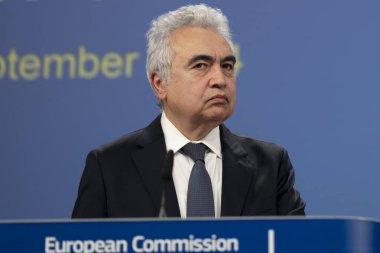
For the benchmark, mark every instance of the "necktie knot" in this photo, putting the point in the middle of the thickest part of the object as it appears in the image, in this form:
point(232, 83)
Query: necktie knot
point(196, 151)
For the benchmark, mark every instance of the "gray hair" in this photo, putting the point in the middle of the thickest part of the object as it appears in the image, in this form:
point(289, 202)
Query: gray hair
point(159, 52)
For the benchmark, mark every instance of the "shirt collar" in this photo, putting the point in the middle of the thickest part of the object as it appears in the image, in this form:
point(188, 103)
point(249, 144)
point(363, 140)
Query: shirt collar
point(175, 140)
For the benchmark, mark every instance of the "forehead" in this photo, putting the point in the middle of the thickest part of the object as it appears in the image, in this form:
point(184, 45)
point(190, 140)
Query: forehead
point(189, 41)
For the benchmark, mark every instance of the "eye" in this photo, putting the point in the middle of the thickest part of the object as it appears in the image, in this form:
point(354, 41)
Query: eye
point(229, 66)
point(200, 65)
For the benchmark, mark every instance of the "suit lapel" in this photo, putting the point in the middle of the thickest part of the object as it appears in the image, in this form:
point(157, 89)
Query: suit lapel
point(149, 157)
point(238, 173)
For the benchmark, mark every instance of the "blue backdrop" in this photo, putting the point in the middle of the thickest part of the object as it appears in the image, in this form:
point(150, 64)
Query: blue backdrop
point(72, 77)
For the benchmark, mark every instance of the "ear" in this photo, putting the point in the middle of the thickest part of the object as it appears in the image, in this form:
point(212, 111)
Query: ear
point(158, 85)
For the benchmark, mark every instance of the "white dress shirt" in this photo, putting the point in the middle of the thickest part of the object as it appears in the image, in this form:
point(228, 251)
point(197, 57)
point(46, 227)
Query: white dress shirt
point(183, 164)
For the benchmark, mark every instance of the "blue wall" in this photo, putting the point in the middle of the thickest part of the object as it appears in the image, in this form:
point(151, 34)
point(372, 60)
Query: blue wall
point(309, 81)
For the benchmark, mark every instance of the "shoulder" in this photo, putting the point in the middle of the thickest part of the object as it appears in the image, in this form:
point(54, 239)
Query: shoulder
point(125, 142)
point(260, 149)
point(117, 150)
point(258, 145)
point(133, 140)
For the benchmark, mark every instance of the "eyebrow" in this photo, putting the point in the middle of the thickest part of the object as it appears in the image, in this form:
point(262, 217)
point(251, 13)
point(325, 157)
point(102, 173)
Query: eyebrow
point(207, 58)
point(229, 58)
point(201, 57)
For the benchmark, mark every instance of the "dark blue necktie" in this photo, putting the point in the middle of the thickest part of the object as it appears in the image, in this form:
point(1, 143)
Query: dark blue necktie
point(200, 199)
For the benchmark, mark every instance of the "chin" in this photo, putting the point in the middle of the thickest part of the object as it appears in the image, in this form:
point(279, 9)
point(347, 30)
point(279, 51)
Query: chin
point(220, 117)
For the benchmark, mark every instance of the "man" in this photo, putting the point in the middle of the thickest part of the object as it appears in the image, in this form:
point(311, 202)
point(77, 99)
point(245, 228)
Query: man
point(190, 66)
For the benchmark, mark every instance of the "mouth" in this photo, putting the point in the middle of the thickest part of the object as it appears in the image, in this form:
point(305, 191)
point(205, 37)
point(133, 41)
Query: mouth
point(219, 99)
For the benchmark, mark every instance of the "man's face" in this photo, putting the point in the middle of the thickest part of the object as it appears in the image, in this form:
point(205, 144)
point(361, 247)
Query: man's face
point(201, 89)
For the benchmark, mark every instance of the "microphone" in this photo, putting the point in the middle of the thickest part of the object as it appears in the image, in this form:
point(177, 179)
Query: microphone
point(166, 174)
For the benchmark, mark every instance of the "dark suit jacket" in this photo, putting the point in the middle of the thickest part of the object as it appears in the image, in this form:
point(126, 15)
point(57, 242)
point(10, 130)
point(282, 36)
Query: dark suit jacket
point(123, 179)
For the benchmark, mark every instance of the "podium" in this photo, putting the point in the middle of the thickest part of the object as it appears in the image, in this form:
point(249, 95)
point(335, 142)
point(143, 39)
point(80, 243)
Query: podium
point(243, 234)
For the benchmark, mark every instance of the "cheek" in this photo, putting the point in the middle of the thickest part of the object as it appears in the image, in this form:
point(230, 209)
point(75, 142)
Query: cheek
point(179, 95)
point(232, 90)
point(187, 90)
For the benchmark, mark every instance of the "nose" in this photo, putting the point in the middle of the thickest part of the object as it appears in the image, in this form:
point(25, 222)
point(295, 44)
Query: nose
point(217, 77)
